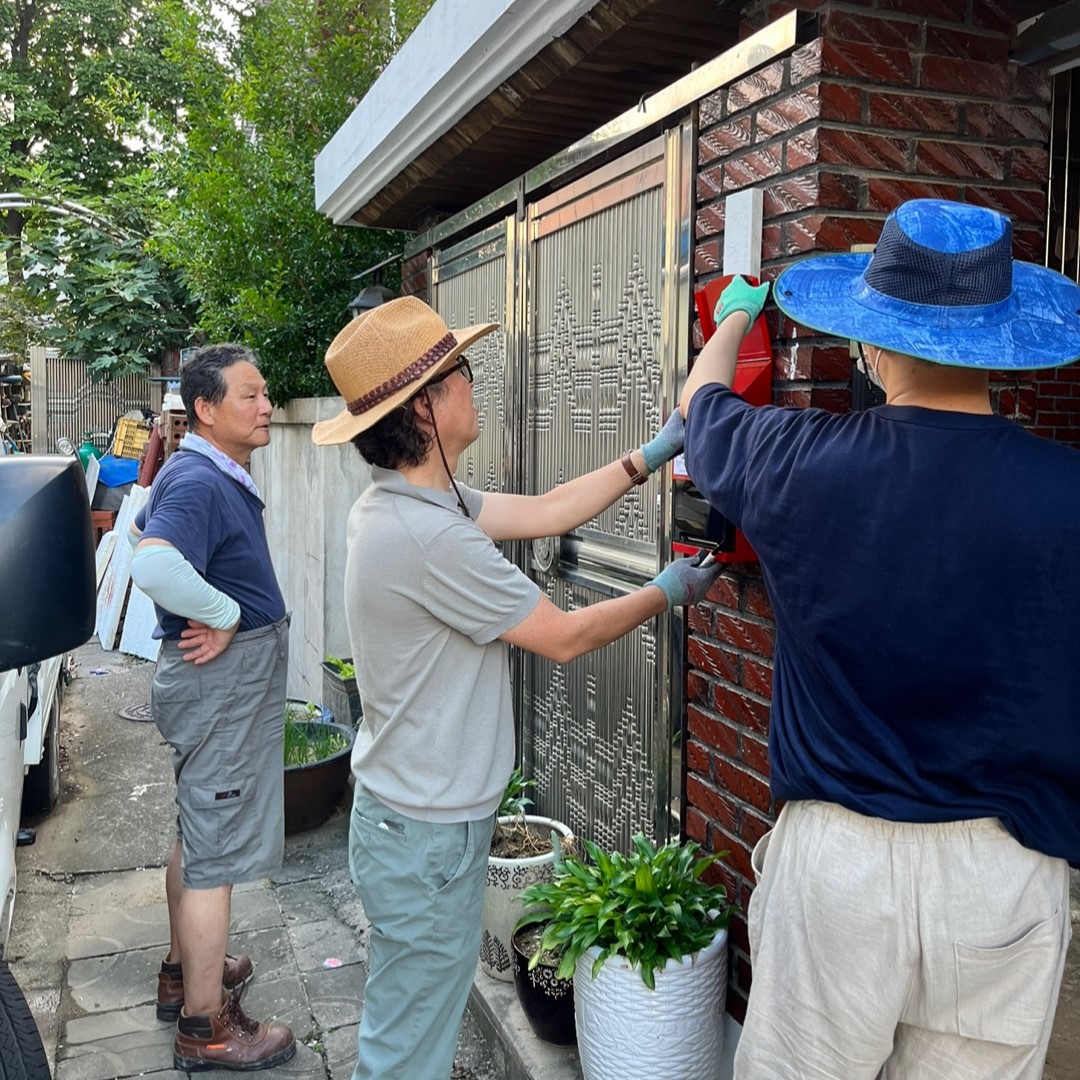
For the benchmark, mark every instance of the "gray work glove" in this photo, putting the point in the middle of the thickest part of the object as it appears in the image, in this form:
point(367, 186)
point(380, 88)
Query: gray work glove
point(740, 295)
point(667, 443)
point(684, 582)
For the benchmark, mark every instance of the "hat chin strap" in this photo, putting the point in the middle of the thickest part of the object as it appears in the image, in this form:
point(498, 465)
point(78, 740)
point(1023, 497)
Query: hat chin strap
point(442, 454)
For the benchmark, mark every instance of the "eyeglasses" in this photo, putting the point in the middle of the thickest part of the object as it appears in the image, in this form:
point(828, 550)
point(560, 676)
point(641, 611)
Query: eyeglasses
point(462, 365)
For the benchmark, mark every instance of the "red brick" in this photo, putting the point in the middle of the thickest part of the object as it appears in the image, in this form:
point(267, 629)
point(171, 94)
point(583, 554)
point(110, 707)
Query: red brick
point(993, 15)
point(1029, 164)
point(710, 183)
point(707, 257)
point(771, 240)
point(1019, 205)
point(742, 970)
point(698, 689)
point(821, 190)
point(871, 30)
point(913, 112)
point(967, 79)
point(737, 934)
point(709, 220)
point(757, 677)
point(785, 113)
point(725, 591)
point(699, 620)
point(735, 1004)
point(712, 659)
point(1029, 244)
point(756, 599)
point(718, 734)
point(886, 193)
point(942, 10)
point(806, 63)
point(697, 825)
point(825, 232)
point(944, 159)
point(834, 399)
point(754, 637)
point(968, 48)
point(698, 758)
point(863, 149)
point(715, 805)
point(762, 84)
point(1027, 83)
point(752, 168)
point(867, 63)
point(752, 828)
point(738, 853)
point(1004, 122)
point(711, 109)
point(729, 137)
point(740, 708)
point(755, 754)
point(801, 150)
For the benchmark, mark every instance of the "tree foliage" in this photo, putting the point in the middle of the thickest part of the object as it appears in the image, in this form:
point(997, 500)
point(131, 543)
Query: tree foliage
point(264, 266)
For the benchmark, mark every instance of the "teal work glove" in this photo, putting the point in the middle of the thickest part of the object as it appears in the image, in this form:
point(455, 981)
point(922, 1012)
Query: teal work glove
point(667, 443)
point(740, 295)
point(683, 582)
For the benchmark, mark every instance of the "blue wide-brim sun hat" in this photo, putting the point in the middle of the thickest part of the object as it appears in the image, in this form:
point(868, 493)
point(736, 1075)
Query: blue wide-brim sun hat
point(941, 285)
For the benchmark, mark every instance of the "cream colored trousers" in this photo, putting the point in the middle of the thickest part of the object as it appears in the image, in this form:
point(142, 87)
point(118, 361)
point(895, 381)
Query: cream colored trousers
point(901, 951)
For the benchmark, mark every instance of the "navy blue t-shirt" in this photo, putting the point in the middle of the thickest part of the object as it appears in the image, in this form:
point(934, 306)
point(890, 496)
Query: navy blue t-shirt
point(217, 525)
point(924, 571)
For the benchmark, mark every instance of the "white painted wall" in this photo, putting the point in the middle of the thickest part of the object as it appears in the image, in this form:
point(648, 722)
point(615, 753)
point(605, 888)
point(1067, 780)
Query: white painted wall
point(308, 491)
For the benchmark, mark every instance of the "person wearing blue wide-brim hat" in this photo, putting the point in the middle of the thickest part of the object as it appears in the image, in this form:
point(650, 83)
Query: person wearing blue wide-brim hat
point(911, 912)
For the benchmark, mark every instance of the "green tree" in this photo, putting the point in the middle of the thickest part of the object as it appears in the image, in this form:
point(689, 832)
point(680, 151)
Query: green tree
point(85, 89)
point(263, 265)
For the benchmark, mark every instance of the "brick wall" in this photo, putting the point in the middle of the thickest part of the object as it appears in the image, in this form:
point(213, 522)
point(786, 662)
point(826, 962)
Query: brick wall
point(414, 277)
point(895, 99)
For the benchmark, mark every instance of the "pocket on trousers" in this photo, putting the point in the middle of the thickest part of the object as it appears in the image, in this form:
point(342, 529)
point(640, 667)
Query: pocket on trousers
point(216, 811)
point(1004, 993)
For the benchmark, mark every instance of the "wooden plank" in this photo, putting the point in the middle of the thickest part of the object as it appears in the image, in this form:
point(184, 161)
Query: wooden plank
point(104, 553)
point(114, 586)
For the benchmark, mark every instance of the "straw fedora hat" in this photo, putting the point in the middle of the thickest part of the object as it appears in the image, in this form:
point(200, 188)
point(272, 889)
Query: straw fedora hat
point(379, 360)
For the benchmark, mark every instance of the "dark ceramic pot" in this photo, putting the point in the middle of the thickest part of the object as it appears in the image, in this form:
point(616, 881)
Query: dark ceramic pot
point(312, 791)
point(340, 695)
point(547, 1001)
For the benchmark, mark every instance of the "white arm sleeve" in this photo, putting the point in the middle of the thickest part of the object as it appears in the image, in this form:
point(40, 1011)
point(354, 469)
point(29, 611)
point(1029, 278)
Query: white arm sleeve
point(174, 584)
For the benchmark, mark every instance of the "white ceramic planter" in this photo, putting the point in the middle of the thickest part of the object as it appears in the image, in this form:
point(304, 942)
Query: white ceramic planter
point(675, 1032)
point(506, 880)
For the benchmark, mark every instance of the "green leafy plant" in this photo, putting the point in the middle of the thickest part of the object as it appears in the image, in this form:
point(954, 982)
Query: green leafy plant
point(649, 906)
point(514, 801)
point(341, 668)
point(306, 739)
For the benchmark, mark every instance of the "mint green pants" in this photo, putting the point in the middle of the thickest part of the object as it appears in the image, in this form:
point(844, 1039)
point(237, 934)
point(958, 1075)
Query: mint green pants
point(422, 888)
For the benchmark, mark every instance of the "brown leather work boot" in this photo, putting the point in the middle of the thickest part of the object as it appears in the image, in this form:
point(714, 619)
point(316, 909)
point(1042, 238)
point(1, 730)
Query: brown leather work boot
point(170, 984)
point(229, 1039)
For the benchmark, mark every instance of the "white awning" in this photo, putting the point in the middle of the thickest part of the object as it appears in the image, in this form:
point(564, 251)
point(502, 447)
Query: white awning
point(460, 52)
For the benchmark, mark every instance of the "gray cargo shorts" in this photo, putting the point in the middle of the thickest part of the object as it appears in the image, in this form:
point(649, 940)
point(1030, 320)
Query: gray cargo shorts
point(225, 723)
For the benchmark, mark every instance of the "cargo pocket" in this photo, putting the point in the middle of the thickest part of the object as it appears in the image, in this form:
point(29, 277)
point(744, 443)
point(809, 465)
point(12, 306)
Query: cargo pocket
point(216, 824)
point(1004, 994)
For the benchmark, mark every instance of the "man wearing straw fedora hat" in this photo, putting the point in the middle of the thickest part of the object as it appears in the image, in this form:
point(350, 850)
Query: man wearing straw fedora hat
point(431, 605)
point(911, 914)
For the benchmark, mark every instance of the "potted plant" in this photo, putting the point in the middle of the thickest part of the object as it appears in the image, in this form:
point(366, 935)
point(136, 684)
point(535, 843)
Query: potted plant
point(340, 694)
point(645, 940)
point(522, 853)
point(546, 998)
point(316, 763)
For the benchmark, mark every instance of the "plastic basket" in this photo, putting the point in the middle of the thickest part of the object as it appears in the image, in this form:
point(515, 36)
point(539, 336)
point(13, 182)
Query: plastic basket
point(131, 437)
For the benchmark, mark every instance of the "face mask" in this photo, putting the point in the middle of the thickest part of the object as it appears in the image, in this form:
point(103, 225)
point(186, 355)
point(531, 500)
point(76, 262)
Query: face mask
point(870, 372)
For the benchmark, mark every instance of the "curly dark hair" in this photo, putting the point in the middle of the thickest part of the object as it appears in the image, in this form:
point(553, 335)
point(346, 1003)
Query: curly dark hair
point(397, 439)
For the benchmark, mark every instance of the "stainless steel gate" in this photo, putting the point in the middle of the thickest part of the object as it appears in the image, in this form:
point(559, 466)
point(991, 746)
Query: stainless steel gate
point(591, 285)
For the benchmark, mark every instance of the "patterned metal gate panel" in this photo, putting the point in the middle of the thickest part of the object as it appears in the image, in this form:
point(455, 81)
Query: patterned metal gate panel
point(596, 733)
point(590, 287)
point(470, 285)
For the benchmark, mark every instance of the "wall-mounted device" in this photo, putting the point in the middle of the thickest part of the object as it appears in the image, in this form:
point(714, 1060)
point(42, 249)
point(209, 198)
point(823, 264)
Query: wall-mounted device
point(697, 526)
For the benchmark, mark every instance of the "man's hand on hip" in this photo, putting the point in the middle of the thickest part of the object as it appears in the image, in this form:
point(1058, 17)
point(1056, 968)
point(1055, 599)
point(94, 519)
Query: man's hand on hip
point(202, 643)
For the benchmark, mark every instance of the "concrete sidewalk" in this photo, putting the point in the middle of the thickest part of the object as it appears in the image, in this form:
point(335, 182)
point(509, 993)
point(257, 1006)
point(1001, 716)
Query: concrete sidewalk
point(91, 924)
